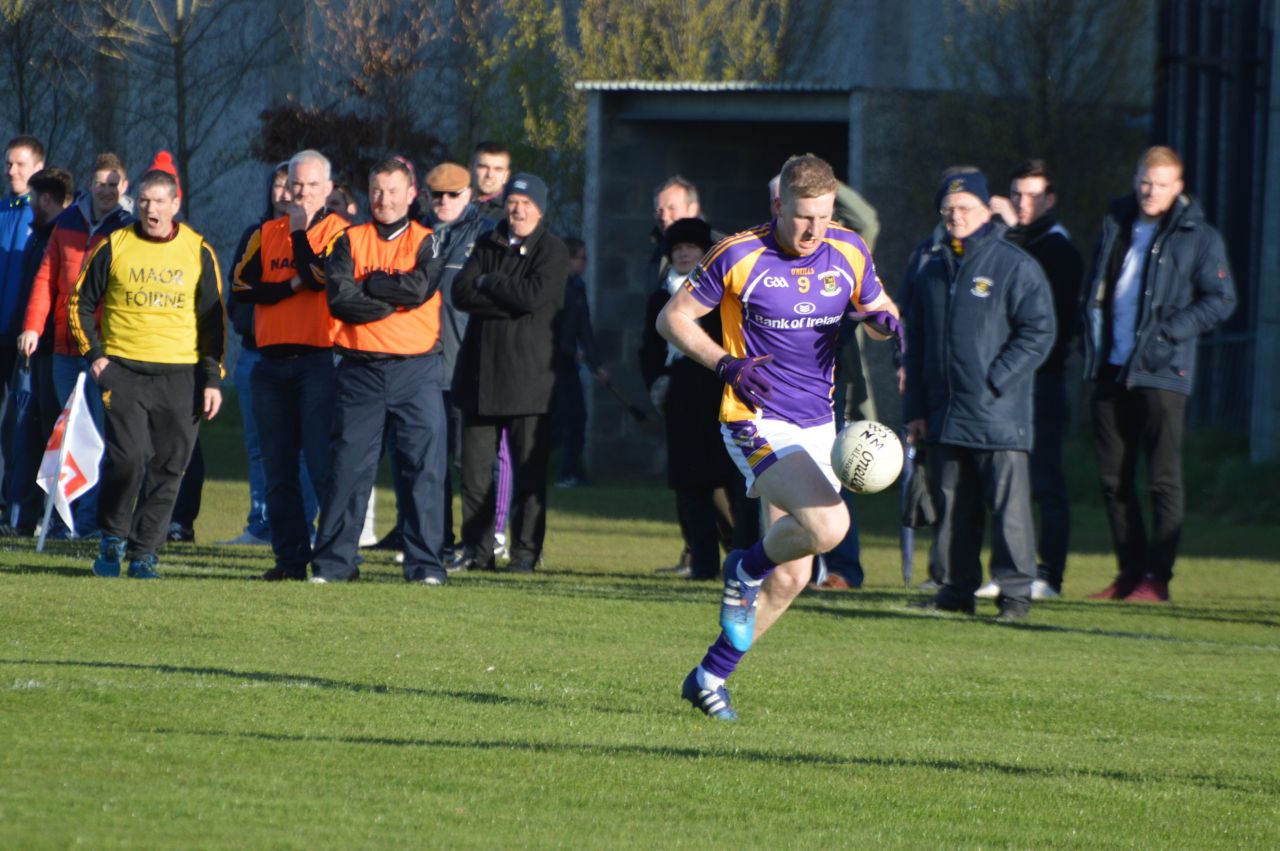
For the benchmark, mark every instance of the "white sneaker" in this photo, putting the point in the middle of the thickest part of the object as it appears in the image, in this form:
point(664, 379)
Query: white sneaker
point(400, 558)
point(500, 545)
point(1041, 590)
point(431, 580)
point(318, 580)
point(244, 539)
point(988, 592)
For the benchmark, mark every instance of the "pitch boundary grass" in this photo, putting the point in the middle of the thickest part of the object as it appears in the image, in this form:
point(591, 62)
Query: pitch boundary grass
point(205, 710)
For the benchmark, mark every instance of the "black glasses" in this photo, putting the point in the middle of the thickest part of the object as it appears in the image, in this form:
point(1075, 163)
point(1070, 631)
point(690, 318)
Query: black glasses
point(437, 196)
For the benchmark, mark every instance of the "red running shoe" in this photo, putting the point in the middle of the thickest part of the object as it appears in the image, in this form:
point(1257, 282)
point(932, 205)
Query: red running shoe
point(1119, 589)
point(1149, 590)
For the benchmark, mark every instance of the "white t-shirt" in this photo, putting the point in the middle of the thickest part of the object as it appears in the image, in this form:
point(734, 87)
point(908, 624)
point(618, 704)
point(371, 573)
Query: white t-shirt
point(1124, 309)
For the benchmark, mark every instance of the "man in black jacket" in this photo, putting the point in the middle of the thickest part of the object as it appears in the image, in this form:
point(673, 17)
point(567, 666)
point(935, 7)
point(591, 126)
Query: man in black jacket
point(981, 321)
point(513, 287)
point(1033, 225)
point(1160, 280)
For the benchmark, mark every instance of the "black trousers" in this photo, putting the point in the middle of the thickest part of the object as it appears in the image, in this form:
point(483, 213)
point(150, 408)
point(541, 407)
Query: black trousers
point(151, 425)
point(1147, 423)
point(530, 441)
point(372, 396)
point(969, 481)
point(1048, 483)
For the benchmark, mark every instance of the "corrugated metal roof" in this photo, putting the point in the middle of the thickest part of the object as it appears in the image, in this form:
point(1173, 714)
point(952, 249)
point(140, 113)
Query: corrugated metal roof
point(701, 86)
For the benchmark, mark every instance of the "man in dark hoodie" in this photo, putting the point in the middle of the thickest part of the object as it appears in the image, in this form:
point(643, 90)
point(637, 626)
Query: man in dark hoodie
point(513, 287)
point(1033, 225)
point(980, 322)
point(1160, 280)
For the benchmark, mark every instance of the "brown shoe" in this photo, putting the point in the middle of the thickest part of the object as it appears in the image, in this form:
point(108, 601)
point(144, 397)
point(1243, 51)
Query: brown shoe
point(834, 582)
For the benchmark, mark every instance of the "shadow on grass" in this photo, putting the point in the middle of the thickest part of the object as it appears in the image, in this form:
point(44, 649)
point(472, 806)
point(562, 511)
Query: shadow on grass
point(1229, 784)
point(480, 697)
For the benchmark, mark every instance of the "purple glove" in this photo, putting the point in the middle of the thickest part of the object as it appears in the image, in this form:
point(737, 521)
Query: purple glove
point(885, 323)
point(746, 377)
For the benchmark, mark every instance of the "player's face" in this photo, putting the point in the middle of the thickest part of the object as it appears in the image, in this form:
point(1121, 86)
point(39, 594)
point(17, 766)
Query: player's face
point(107, 187)
point(20, 164)
point(448, 206)
point(803, 222)
point(963, 213)
point(684, 257)
point(309, 186)
point(280, 196)
point(157, 207)
point(673, 204)
point(1031, 199)
point(522, 215)
point(491, 172)
point(1157, 187)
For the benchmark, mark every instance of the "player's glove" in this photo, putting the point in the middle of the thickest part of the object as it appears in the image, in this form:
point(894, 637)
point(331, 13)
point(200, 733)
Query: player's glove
point(886, 324)
point(746, 377)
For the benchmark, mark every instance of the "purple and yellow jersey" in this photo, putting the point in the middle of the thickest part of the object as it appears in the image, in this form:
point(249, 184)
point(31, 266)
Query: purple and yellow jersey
point(773, 302)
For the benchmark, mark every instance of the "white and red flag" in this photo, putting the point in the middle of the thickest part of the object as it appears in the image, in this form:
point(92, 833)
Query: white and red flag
point(69, 467)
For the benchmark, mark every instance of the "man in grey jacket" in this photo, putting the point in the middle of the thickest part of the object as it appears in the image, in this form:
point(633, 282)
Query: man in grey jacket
point(981, 322)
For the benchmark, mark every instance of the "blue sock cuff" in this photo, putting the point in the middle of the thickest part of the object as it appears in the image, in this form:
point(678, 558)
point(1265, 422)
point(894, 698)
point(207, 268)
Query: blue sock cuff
point(756, 563)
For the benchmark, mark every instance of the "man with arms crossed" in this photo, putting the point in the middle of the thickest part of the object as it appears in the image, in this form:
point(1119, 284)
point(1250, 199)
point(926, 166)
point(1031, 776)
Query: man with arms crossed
point(782, 289)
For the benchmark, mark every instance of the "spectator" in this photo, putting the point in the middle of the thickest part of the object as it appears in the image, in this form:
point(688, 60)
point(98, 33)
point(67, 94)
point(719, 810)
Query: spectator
point(1033, 226)
point(52, 190)
point(293, 385)
point(76, 232)
point(981, 321)
point(343, 202)
point(513, 287)
point(151, 363)
point(575, 345)
point(257, 528)
point(382, 289)
point(1160, 279)
point(491, 166)
point(458, 225)
point(24, 156)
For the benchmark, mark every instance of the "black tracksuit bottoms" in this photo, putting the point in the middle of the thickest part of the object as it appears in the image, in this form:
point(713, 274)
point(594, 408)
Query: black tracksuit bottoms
point(151, 424)
point(405, 395)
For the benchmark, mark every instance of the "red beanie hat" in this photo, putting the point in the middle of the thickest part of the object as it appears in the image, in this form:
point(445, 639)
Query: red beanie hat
point(164, 162)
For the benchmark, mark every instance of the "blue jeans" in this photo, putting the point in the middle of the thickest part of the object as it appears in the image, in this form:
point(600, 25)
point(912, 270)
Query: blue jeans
point(66, 368)
point(846, 558)
point(293, 401)
point(256, 521)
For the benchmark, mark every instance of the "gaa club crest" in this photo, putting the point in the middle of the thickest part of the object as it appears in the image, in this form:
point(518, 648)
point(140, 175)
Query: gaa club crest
point(982, 287)
point(830, 284)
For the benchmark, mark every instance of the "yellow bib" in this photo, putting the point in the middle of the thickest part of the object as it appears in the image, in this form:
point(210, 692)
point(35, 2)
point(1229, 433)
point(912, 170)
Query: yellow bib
point(149, 308)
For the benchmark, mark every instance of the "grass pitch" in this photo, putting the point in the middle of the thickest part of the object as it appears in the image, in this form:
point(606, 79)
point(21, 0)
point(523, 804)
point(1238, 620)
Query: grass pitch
point(204, 710)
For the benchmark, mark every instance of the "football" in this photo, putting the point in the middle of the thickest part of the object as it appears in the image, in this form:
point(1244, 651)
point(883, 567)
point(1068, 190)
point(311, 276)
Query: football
point(867, 456)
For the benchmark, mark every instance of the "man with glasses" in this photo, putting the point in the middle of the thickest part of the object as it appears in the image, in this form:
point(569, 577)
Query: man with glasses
point(980, 322)
point(457, 223)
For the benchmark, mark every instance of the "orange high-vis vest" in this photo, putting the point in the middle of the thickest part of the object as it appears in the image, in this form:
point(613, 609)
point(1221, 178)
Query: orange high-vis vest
point(303, 319)
point(405, 332)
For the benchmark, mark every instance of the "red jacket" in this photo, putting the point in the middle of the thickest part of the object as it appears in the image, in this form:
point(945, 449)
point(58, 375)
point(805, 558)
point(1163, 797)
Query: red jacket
point(72, 239)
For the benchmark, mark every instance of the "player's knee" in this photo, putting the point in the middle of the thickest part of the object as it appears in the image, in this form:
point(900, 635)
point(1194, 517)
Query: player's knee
point(829, 528)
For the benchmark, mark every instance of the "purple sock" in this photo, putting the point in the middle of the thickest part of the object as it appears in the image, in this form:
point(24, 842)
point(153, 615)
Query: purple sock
point(721, 658)
point(756, 564)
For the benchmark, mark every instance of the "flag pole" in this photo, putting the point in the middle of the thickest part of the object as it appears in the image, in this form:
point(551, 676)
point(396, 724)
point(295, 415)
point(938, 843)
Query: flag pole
point(44, 526)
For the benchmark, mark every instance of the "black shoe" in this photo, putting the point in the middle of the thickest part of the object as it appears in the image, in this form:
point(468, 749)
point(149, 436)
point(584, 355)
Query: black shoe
point(1012, 610)
point(280, 574)
point(521, 565)
point(936, 605)
point(180, 534)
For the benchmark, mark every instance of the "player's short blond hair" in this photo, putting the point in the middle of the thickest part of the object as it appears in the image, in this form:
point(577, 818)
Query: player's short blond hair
point(806, 176)
point(1159, 155)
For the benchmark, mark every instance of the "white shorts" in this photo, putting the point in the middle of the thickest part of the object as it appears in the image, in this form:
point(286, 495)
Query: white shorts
point(754, 446)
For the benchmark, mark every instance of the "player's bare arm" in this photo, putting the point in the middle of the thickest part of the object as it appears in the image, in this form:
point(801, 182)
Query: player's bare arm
point(678, 324)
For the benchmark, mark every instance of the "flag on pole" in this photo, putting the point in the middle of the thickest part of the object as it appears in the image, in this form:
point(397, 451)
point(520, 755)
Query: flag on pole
point(69, 467)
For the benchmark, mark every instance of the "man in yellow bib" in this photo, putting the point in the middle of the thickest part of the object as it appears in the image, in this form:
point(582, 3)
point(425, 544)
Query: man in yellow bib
point(158, 360)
